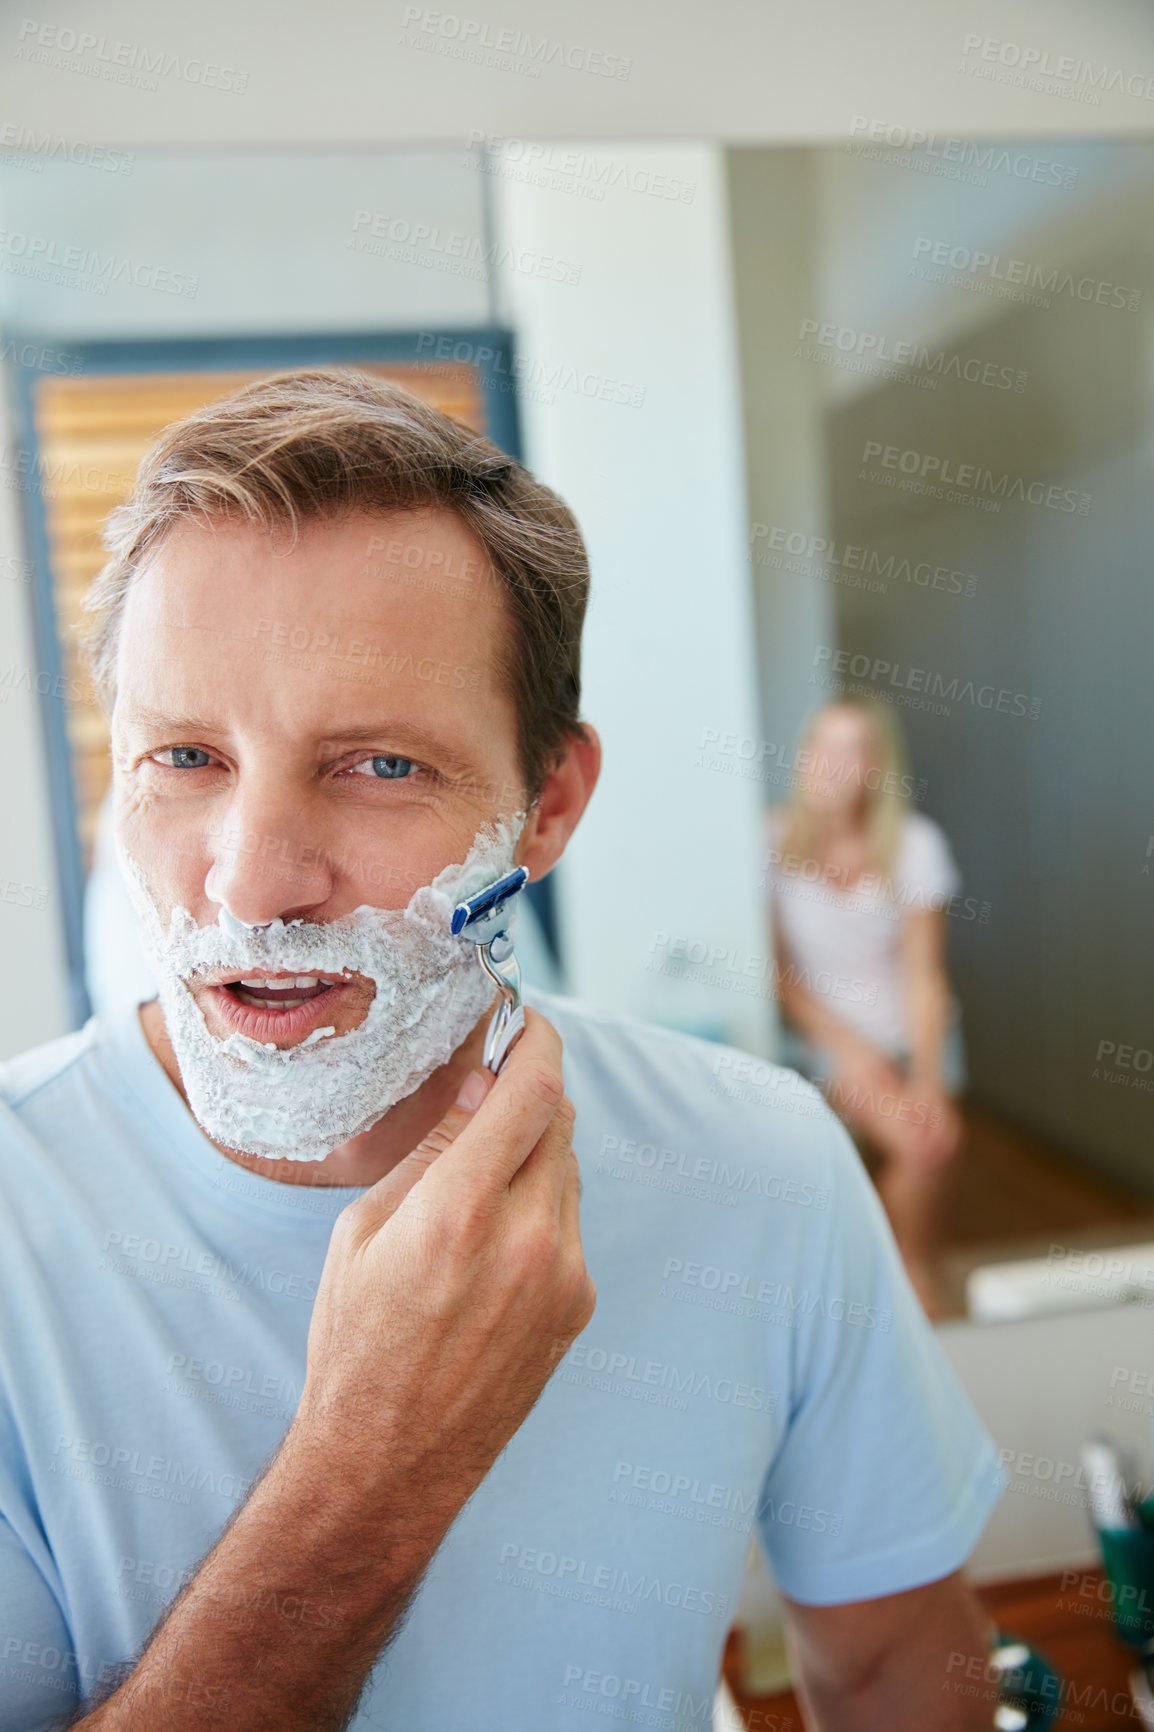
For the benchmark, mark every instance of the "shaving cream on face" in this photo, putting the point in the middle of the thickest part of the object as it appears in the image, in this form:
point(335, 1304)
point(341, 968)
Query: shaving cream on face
point(302, 1102)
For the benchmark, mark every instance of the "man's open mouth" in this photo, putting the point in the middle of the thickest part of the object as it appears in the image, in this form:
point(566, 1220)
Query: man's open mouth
point(280, 991)
point(275, 1005)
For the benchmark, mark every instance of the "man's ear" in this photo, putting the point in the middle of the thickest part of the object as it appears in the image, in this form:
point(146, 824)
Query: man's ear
point(563, 797)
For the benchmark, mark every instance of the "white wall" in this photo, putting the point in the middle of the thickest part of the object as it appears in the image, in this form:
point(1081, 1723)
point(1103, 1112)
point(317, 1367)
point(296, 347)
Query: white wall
point(268, 237)
point(667, 851)
point(1042, 1388)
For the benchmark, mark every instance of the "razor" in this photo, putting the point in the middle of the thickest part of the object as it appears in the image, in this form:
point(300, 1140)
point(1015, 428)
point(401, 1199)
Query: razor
point(484, 920)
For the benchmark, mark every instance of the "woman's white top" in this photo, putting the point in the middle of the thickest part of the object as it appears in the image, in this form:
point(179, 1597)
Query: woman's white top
point(844, 945)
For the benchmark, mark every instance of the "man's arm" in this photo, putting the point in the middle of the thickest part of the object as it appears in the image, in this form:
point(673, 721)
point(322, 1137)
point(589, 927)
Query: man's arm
point(899, 1663)
point(450, 1290)
point(283, 1621)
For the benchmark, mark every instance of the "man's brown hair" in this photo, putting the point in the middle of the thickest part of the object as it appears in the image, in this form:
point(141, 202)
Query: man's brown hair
point(327, 442)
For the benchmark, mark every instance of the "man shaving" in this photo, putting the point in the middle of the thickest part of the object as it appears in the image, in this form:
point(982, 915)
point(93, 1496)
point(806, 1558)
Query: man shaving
point(311, 1415)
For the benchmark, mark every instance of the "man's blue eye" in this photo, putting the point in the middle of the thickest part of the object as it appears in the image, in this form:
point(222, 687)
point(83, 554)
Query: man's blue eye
point(182, 757)
point(390, 769)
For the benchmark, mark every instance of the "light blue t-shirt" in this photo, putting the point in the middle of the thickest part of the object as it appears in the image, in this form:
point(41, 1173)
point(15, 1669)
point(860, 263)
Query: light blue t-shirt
point(756, 1362)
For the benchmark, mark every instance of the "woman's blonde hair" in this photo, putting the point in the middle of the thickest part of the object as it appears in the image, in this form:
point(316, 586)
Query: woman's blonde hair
point(885, 803)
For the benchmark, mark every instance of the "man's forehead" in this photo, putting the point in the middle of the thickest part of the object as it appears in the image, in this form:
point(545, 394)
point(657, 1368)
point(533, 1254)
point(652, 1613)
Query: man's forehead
point(363, 543)
point(357, 588)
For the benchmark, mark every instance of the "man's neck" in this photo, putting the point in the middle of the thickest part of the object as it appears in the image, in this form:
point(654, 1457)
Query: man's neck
point(364, 1159)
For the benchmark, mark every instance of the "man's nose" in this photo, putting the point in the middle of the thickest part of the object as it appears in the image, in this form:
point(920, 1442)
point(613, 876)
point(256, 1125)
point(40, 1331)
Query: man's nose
point(268, 860)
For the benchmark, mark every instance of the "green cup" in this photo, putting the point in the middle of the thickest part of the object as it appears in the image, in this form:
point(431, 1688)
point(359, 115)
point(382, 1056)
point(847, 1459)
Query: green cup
point(1128, 1559)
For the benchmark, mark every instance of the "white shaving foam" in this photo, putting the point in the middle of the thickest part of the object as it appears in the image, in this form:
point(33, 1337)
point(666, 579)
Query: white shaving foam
point(302, 1102)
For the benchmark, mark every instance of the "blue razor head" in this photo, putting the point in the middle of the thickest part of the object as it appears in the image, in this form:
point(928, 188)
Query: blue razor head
point(486, 905)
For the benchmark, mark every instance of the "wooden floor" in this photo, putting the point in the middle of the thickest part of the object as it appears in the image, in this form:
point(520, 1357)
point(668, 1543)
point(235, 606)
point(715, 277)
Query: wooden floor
point(1011, 1184)
point(1071, 1629)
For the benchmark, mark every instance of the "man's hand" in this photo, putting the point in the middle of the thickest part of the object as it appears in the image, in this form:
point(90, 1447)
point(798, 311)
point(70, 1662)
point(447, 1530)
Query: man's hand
point(450, 1290)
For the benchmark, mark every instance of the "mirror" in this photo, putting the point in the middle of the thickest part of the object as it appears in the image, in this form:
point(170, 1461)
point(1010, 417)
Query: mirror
point(859, 431)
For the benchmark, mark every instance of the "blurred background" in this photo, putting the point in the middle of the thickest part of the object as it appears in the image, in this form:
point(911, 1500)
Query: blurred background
point(846, 365)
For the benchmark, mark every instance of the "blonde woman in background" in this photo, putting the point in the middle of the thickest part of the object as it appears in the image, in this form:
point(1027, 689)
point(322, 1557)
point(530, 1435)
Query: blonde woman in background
point(858, 883)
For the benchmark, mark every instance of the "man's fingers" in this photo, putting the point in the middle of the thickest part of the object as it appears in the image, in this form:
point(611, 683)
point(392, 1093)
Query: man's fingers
point(485, 1138)
point(571, 1198)
point(546, 1168)
point(382, 1200)
point(513, 1117)
point(571, 1234)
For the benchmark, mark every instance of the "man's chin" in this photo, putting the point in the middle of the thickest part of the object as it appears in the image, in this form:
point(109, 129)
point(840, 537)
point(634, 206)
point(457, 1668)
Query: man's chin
point(305, 1154)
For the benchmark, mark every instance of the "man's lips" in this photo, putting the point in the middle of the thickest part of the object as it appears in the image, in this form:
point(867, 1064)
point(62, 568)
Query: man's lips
point(274, 1005)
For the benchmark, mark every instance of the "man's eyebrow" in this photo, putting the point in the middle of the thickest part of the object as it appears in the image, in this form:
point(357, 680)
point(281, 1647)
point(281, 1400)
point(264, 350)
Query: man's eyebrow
point(166, 721)
point(423, 743)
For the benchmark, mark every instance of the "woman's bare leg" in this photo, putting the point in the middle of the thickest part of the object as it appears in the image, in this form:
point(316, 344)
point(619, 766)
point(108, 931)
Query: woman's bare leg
point(913, 1197)
point(912, 1181)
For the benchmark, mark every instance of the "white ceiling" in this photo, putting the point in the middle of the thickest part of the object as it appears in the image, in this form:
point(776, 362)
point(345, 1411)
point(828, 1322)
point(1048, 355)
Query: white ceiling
point(362, 71)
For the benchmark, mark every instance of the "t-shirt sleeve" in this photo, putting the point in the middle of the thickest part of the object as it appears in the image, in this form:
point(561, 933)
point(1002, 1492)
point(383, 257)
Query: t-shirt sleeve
point(885, 1476)
point(39, 1679)
point(929, 873)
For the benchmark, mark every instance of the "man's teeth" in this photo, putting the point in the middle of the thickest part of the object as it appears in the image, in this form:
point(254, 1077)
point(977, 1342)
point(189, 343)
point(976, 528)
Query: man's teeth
point(301, 982)
point(257, 991)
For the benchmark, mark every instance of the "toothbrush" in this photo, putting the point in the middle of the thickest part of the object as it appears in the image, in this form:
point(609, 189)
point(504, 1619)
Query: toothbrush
point(484, 920)
point(1111, 1503)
